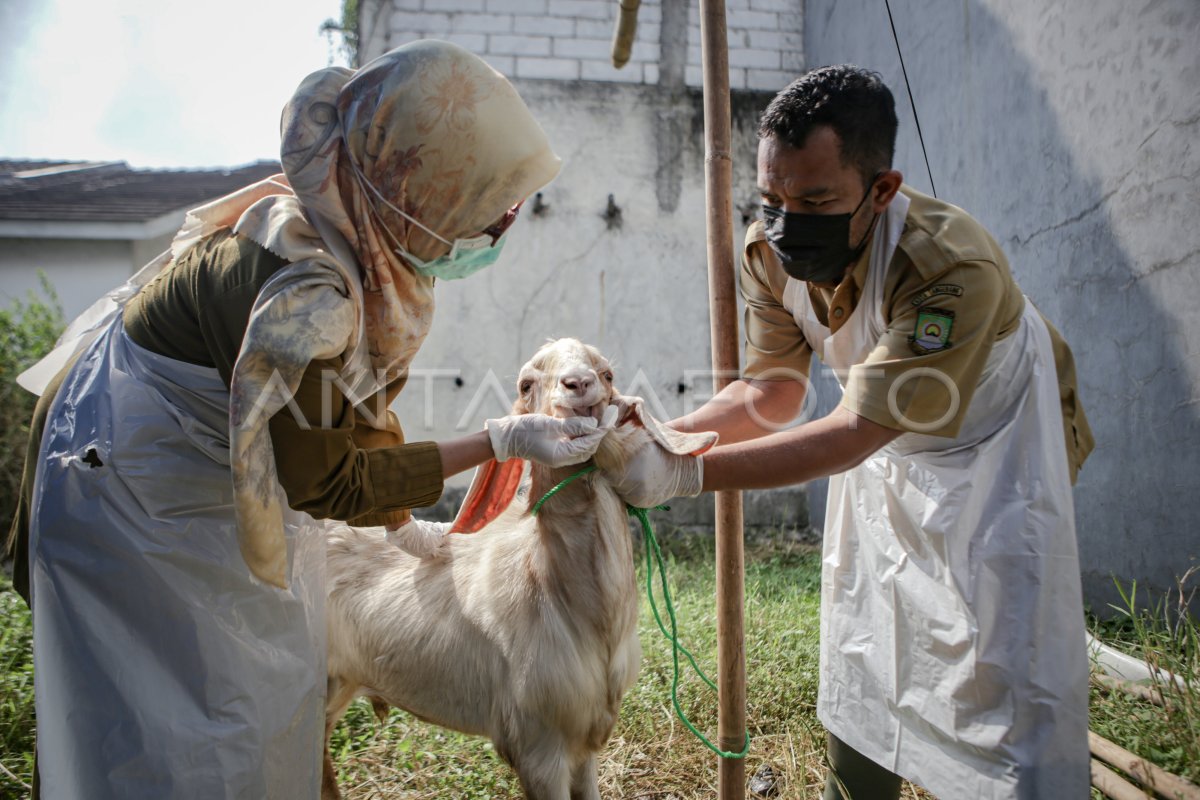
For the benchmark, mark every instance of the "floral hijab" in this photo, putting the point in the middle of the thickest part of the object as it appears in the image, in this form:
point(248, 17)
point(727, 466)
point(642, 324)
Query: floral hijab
point(440, 135)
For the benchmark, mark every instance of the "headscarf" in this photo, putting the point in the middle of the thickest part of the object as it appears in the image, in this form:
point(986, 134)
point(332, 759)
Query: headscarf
point(442, 136)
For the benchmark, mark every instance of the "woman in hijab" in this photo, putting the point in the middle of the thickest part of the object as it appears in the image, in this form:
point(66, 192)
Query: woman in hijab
point(234, 393)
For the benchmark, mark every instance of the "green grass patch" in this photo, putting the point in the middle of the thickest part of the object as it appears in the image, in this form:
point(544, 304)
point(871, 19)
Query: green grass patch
point(651, 756)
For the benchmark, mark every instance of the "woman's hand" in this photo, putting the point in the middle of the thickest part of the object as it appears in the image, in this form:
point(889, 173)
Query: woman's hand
point(545, 439)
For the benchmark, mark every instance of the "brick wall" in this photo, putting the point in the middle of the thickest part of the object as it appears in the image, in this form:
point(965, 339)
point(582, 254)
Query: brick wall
point(572, 39)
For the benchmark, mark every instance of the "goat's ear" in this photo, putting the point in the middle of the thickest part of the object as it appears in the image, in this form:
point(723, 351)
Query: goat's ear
point(492, 491)
point(677, 442)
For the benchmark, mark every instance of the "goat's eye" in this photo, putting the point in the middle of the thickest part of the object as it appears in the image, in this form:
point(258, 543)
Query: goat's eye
point(526, 385)
point(608, 376)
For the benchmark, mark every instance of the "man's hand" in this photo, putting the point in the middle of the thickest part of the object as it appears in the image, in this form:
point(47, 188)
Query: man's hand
point(653, 476)
point(548, 440)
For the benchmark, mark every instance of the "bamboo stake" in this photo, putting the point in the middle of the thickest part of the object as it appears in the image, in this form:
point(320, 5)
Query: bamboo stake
point(623, 35)
point(1151, 775)
point(1113, 785)
point(718, 179)
point(1111, 684)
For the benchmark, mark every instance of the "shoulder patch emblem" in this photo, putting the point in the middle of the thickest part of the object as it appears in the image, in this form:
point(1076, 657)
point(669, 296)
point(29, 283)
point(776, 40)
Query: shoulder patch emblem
point(933, 291)
point(932, 332)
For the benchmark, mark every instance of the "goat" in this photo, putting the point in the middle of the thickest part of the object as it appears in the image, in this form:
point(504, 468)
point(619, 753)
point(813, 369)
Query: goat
point(524, 632)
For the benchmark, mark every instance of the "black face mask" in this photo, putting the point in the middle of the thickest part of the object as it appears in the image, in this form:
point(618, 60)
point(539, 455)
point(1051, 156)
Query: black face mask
point(814, 247)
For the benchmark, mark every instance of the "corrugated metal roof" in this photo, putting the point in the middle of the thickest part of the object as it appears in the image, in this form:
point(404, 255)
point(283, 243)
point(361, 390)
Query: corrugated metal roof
point(89, 191)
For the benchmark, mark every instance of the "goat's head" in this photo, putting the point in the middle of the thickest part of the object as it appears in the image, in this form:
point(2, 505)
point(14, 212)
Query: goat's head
point(565, 378)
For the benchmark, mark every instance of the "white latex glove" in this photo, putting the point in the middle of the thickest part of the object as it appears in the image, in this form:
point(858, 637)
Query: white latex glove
point(653, 476)
point(545, 439)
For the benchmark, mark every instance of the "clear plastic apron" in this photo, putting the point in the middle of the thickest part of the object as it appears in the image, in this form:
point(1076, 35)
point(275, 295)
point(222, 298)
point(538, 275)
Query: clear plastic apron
point(952, 635)
point(162, 669)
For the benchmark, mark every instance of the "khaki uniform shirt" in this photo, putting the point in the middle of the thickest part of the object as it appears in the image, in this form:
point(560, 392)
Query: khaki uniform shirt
point(946, 268)
point(197, 311)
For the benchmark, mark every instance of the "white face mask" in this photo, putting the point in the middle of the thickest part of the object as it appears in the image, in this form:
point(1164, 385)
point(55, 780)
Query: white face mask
point(466, 256)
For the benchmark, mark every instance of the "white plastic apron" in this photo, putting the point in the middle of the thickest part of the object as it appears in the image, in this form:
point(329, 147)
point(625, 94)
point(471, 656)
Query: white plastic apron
point(952, 634)
point(163, 670)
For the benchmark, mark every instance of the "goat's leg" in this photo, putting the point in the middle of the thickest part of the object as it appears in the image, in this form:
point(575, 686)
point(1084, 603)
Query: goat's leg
point(584, 785)
point(338, 696)
point(544, 771)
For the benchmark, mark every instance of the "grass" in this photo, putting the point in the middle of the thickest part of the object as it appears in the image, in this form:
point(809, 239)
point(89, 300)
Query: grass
point(651, 756)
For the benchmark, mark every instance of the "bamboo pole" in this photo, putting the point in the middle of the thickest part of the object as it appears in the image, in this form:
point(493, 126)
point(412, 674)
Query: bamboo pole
point(1111, 684)
point(718, 180)
point(1152, 776)
point(1113, 785)
point(622, 44)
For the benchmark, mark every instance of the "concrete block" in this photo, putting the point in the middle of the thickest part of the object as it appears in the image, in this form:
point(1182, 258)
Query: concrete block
point(605, 71)
point(452, 6)
point(565, 69)
point(528, 7)
point(792, 60)
point(475, 42)
point(595, 28)
point(407, 5)
point(544, 26)
point(419, 21)
point(770, 80)
point(511, 44)
point(755, 59)
point(583, 49)
point(773, 40)
point(740, 19)
point(583, 9)
point(650, 73)
point(481, 23)
point(779, 6)
point(505, 65)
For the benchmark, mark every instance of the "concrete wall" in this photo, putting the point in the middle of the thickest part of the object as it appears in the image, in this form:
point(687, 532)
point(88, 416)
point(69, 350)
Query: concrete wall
point(80, 270)
point(571, 39)
point(1070, 130)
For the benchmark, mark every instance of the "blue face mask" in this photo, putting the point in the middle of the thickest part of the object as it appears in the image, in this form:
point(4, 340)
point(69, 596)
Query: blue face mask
point(466, 256)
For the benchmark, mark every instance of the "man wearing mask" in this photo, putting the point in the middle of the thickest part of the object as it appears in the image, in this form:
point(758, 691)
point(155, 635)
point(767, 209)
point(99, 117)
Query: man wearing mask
point(952, 635)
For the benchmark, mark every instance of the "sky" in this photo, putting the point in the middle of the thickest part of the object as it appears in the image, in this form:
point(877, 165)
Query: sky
point(155, 83)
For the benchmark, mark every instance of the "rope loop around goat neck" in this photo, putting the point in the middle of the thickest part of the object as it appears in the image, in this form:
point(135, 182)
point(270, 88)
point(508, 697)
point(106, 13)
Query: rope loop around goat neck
point(671, 636)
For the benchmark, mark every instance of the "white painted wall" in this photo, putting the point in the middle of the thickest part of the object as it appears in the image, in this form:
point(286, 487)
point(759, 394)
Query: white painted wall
point(80, 270)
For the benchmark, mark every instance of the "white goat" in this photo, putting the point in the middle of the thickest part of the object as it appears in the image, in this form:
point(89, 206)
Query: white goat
point(524, 632)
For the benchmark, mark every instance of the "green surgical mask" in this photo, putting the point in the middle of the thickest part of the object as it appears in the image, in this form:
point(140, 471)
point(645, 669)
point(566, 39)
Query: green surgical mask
point(466, 256)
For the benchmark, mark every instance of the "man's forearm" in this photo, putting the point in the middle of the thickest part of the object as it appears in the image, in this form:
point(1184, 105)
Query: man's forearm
point(746, 409)
point(814, 450)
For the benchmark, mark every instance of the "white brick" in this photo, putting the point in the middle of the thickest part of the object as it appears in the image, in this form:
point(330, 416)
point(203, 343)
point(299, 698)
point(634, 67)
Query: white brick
point(753, 20)
point(595, 29)
point(555, 68)
point(791, 22)
point(545, 26)
point(475, 42)
point(585, 9)
point(774, 40)
point(505, 65)
point(781, 6)
point(694, 76)
point(528, 7)
point(406, 5)
point(647, 32)
point(593, 49)
point(645, 51)
point(650, 73)
point(505, 44)
point(650, 12)
point(452, 6)
point(769, 80)
point(792, 60)
point(481, 23)
point(600, 71)
point(755, 59)
point(425, 22)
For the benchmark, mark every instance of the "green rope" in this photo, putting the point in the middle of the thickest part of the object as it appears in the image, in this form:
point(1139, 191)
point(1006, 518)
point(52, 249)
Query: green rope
point(672, 635)
point(538, 505)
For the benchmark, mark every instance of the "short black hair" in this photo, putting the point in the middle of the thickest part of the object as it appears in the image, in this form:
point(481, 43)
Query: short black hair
point(851, 100)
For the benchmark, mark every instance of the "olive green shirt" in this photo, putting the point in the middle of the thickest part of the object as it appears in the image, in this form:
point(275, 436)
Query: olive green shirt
point(197, 310)
point(946, 268)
